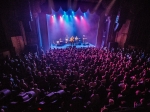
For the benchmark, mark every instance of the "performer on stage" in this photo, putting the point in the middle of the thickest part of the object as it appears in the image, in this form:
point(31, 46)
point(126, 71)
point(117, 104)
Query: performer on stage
point(66, 39)
point(84, 39)
point(72, 40)
point(76, 40)
point(60, 40)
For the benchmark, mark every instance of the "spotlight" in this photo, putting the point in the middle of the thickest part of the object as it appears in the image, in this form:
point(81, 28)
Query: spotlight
point(84, 14)
point(61, 18)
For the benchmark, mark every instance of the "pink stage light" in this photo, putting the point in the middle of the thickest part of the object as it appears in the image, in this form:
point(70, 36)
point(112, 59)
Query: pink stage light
point(76, 20)
point(84, 24)
point(52, 19)
point(61, 18)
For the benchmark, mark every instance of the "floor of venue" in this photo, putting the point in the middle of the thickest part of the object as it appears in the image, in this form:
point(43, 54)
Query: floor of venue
point(53, 46)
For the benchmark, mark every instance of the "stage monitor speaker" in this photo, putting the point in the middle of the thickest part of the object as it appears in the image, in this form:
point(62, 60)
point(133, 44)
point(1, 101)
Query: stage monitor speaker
point(31, 48)
point(112, 45)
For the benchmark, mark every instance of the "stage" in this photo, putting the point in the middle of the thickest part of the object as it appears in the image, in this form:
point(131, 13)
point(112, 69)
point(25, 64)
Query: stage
point(54, 46)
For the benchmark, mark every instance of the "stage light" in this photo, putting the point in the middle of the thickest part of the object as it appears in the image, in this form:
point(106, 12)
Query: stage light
point(84, 14)
point(52, 16)
point(67, 16)
point(61, 18)
point(109, 7)
point(72, 13)
point(97, 6)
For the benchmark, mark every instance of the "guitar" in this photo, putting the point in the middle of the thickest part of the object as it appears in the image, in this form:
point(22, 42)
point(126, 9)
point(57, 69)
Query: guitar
point(72, 39)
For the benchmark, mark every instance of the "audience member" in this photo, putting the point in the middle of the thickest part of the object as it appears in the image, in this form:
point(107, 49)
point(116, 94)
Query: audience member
point(106, 79)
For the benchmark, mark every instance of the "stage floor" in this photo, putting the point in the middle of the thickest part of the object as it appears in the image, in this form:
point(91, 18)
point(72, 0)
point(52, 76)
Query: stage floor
point(68, 45)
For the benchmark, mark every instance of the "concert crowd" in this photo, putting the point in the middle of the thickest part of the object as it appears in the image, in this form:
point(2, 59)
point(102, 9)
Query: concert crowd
point(94, 79)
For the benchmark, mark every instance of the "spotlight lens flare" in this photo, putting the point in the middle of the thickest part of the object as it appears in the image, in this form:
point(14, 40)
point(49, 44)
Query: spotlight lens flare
point(84, 14)
point(61, 18)
point(75, 17)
